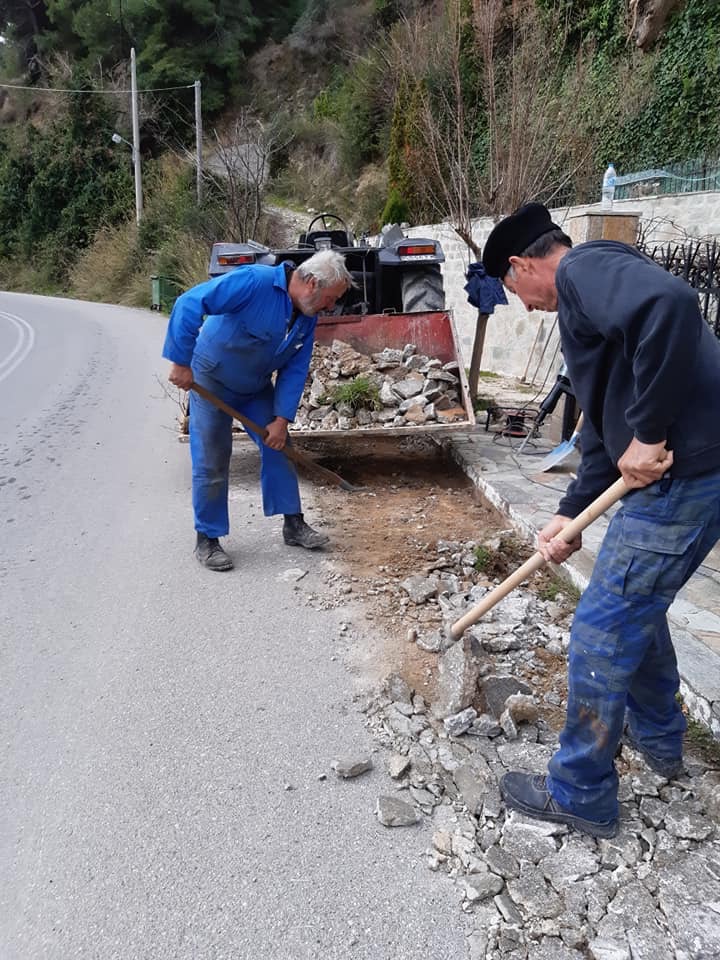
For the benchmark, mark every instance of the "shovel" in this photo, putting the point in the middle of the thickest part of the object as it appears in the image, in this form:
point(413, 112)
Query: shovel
point(614, 493)
point(562, 450)
point(289, 450)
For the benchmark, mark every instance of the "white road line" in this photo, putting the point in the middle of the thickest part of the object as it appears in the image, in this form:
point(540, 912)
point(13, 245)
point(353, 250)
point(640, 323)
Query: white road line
point(25, 343)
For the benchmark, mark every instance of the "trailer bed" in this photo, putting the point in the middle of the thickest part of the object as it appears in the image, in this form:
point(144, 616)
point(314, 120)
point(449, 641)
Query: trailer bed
point(434, 335)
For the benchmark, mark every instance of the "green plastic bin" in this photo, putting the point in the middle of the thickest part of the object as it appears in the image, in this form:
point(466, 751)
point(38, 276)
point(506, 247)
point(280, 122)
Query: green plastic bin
point(163, 293)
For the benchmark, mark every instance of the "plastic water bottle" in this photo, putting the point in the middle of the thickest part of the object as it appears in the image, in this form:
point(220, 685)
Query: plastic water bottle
point(608, 187)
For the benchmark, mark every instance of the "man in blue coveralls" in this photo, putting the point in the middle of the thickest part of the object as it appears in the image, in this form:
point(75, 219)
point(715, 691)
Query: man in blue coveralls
point(645, 368)
point(258, 320)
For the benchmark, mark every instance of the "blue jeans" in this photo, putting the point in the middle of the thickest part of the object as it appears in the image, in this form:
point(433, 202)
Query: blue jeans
point(211, 447)
point(622, 662)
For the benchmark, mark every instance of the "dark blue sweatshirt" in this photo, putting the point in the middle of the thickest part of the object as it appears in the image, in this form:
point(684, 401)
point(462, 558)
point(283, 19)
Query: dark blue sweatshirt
point(642, 362)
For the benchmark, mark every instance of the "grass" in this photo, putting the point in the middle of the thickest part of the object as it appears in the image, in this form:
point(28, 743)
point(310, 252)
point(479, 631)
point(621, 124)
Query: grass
point(25, 277)
point(703, 740)
point(360, 393)
point(512, 553)
point(550, 585)
point(500, 563)
point(480, 404)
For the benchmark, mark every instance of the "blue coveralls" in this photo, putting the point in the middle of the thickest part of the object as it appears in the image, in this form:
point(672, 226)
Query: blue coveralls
point(246, 336)
point(643, 363)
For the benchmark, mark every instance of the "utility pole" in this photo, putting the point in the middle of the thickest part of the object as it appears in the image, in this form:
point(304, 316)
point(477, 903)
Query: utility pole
point(198, 140)
point(136, 139)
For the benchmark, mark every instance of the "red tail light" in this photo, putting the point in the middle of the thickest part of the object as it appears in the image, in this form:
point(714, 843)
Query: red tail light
point(416, 250)
point(235, 259)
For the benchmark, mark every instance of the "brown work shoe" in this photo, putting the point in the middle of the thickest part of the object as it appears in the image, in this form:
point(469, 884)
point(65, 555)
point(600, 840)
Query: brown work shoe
point(211, 555)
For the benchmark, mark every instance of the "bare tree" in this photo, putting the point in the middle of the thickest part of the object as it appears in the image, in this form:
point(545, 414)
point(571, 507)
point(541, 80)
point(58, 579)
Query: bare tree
point(523, 132)
point(540, 134)
point(442, 122)
point(239, 165)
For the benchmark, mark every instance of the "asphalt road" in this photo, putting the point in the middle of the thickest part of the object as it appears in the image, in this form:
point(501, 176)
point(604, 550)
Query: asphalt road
point(152, 714)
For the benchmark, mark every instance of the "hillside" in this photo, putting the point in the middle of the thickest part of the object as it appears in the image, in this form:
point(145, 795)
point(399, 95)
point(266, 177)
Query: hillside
point(378, 109)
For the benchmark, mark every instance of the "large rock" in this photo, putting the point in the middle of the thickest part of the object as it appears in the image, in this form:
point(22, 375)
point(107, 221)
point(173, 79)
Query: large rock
point(459, 723)
point(389, 357)
point(572, 862)
point(527, 840)
point(458, 672)
point(349, 767)
point(408, 388)
point(473, 780)
point(481, 886)
point(495, 691)
point(550, 948)
point(533, 894)
point(688, 892)
point(392, 812)
point(684, 821)
point(420, 588)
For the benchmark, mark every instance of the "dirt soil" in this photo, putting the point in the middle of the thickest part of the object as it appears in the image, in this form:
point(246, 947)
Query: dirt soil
point(390, 531)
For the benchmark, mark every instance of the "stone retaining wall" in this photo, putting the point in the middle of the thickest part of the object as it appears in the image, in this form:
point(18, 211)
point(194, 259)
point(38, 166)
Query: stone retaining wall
point(515, 340)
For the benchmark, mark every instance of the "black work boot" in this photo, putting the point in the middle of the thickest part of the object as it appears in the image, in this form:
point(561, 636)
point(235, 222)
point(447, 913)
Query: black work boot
point(211, 554)
point(668, 767)
point(296, 533)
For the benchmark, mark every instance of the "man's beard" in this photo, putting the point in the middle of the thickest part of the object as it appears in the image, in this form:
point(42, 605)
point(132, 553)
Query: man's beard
point(309, 305)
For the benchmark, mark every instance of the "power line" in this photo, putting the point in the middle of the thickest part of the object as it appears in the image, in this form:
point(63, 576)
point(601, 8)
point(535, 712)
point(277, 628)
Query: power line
point(15, 86)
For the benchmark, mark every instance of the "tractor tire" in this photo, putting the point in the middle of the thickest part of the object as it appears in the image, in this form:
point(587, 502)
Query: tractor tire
point(422, 290)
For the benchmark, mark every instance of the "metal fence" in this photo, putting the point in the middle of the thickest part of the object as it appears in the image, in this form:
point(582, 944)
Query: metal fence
point(697, 262)
point(690, 176)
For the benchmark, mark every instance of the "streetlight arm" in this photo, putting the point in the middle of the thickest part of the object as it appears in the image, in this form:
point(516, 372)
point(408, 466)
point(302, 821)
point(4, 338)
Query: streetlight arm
point(116, 138)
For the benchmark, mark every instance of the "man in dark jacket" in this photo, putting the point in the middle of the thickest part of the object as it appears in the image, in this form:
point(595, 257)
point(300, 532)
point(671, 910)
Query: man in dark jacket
point(645, 368)
point(247, 336)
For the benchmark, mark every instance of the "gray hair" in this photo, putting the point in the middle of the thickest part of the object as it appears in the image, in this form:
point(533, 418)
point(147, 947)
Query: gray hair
point(545, 243)
point(327, 266)
point(542, 247)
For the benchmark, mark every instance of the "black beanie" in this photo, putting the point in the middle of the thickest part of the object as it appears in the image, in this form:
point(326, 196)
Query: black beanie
point(513, 235)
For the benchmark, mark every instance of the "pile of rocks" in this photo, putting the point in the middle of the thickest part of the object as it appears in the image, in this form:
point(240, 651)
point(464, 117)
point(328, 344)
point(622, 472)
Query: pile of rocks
point(412, 389)
point(537, 891)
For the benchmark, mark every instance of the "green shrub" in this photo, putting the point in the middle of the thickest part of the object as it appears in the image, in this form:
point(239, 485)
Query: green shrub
point(59, 184)
point(396, 209)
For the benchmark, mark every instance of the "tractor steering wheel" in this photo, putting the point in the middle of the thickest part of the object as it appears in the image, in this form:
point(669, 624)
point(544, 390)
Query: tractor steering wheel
point(324, 217)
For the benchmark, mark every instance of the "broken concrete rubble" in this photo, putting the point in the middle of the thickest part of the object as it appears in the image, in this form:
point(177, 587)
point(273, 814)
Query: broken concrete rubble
point(404, 388)
point(351, 767)
point(392, 812)
point(539, 891)
point(458, 672)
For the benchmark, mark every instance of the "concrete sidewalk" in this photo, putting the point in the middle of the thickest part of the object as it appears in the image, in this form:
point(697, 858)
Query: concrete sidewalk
point(510, 480)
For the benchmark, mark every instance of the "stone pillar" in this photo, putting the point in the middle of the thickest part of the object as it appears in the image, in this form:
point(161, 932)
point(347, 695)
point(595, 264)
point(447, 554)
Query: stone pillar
point(603, 225)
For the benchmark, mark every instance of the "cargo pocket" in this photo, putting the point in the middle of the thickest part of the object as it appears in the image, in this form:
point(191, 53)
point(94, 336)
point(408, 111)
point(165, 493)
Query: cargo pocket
point(656, 555)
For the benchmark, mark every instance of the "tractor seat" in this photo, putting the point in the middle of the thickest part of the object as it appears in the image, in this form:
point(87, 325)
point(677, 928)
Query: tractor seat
point(337, 238)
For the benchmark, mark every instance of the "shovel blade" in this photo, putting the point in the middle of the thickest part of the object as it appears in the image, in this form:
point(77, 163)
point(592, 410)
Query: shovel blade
point(561, 451)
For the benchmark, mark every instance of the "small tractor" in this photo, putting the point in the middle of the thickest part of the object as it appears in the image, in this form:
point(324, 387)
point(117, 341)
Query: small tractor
point(399, 275)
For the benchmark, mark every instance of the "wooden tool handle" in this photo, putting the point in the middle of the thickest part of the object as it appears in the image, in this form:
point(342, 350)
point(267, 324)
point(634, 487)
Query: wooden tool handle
point(614, 493)
point(291, 452)
point(230, 411)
